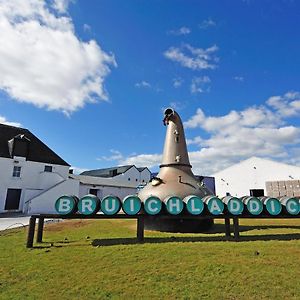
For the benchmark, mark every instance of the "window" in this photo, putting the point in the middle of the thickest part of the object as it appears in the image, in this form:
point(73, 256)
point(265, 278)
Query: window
point(136, 179)
point(16, 171)
point(48, 169)
point(93, 192)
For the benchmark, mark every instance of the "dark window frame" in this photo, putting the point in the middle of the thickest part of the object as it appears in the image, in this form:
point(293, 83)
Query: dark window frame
point(17, 172)
point(93, 192)
point(48, 168)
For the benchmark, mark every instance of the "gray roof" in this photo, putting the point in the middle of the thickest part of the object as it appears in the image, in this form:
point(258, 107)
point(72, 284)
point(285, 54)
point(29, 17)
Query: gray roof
point(142, 169)
point(108, 172)
point(100, 181)
point(111, 172)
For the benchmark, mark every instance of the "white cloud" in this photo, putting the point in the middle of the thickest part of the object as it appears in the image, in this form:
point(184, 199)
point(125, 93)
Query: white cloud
point(287, 105)
point(181, 31)
point(61, 5)
point(200, 84)
point(238, 78)
point(195, 120)
point(251, 117)
point(87, 28)
point(177, 105)
point(78, 170)
point(177, 82)
point(43, 62)
point(207, 23)
point(143, 160)
point(255, 131)
point(115, 155)
point(3, 120)
point(143, 84)
point(195, 141)
point(193, 58)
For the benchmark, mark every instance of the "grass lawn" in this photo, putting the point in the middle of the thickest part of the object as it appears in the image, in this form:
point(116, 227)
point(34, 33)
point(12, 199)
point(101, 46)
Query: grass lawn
point(100, 259)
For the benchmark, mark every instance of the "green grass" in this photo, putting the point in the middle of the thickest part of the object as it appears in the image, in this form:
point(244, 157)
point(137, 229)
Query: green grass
point(111, 264)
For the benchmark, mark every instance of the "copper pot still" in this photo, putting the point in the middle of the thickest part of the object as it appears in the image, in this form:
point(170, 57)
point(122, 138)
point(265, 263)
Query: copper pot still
point(175, 178)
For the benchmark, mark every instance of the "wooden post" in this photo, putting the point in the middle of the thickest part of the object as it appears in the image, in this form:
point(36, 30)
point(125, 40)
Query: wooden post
point(31, 229)
point(236, 228)
point(39, 237)
point(140, 228)
point(227, 227)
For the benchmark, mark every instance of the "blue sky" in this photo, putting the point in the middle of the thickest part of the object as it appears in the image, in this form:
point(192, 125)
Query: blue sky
point(91, 78)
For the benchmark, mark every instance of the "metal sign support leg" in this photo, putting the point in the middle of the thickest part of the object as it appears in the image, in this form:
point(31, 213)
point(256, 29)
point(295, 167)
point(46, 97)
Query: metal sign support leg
point(227, 227)
point(236, 230)
point(31, 229)
point(39, 237)
point(140, 229)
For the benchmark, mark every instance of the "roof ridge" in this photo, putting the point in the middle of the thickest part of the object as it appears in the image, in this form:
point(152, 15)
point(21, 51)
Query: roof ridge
point(11, 126)
point(38, 150)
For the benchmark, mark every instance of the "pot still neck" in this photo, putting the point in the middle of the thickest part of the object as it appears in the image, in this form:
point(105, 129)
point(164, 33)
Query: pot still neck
point(175, 151)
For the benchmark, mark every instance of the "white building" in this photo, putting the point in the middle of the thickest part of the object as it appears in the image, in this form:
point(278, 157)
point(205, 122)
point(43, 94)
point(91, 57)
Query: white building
point(118, 181)
point(32, 176)
point(250, 177)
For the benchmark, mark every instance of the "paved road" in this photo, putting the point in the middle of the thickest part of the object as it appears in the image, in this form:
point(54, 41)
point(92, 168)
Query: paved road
point(13, 222)
point(18, 220)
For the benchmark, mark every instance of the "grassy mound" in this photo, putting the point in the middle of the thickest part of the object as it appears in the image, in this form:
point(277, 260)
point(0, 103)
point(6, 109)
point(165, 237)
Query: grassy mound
point(100, 259)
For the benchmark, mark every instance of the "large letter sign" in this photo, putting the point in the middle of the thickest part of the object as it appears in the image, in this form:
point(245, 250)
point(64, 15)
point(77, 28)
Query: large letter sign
point(110, 205)
point(291, 205)
point(152, 205)
point(214, 205)
point(174, 205)
point(66, 205)
point(272, 205)
point(234, 205)
point(194, 204)
point(89, 205)
point(254, 205)
point(131, 205)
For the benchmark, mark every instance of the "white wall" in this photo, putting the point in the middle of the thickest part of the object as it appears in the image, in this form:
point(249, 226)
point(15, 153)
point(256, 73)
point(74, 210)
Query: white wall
point(103, 190)
point(252, 174)
point(145, 175)
point(33, 179)
point(132, 175)
point(119, 185)
point(45, 202)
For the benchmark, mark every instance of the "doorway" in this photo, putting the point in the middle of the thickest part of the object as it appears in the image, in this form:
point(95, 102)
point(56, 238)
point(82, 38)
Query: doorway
point(13, 199)
point(257, 192)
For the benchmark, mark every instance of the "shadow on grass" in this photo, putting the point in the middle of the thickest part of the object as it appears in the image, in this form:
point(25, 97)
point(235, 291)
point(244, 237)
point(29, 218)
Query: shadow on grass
point(220, 228)
point(149, 240)
point(205, 237)
point(46, 246)
point(53, 244)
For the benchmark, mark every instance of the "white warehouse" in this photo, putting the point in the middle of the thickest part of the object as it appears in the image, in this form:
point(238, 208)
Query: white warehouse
point(252, 177)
